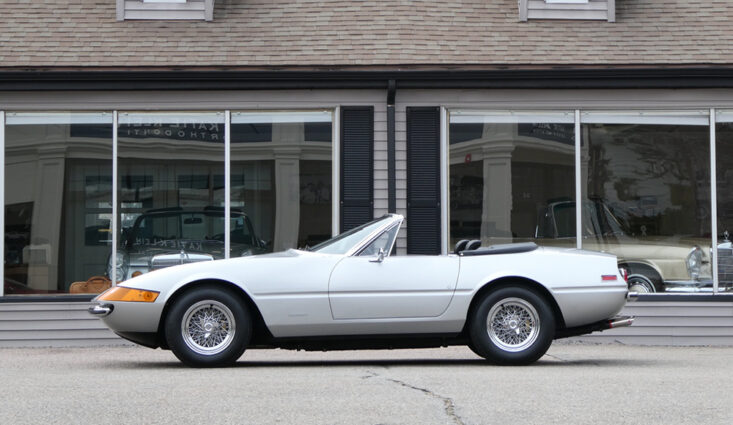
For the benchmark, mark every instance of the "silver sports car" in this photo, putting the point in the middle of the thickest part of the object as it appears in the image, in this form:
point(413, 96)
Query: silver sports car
point(506, 302)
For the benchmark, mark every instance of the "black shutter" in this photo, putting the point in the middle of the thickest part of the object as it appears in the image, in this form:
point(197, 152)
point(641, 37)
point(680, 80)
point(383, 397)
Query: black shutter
point(357, 166)
point(423, 180)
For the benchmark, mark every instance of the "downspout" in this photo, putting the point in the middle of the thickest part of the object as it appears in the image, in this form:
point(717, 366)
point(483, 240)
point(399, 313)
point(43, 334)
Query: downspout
point(391, 175)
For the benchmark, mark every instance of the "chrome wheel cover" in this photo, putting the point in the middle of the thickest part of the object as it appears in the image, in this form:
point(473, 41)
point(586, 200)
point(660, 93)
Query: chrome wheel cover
point(641, 284)
point(208, 327)
point(513, 324)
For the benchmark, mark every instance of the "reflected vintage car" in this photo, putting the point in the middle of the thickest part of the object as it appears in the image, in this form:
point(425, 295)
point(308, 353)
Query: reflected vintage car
point(172, 236)
point(652, 264)
point(506, 302)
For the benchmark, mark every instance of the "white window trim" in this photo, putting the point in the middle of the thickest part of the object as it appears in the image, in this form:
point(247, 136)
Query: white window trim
point(159, 8)
point(564, 9)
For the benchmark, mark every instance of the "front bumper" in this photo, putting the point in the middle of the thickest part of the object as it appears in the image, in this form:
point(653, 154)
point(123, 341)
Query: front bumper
point(101, 310)
point(694, 286)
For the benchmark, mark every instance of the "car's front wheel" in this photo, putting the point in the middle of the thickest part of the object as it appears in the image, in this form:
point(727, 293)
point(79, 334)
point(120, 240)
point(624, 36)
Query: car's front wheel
point(208, 327)
point(512, 326)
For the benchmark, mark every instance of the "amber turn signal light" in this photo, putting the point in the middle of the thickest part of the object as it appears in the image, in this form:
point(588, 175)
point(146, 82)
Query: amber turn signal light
point(121, 293)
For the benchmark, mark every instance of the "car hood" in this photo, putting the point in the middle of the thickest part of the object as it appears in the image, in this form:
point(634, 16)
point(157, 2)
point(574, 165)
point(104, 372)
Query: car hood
point(169, 278)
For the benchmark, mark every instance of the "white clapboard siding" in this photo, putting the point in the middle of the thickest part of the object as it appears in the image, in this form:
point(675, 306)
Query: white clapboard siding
point(52, 324)
point(191, 9)
point(401, 171)
point(673, 323)
point(592, 10)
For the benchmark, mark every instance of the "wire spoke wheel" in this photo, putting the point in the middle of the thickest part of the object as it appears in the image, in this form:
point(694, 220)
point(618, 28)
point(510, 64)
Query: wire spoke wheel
point(208, 327)
point(513, 324)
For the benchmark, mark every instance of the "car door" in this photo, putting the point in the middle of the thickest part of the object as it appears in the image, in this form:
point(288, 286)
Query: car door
point(363, 287)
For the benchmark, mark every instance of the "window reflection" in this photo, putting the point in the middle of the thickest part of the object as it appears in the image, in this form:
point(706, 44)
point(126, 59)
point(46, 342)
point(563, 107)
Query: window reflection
point(508, 174)
point(58, 202)
point(281, 175)
point(171, 190)
point(724, 175)
point(648, 181)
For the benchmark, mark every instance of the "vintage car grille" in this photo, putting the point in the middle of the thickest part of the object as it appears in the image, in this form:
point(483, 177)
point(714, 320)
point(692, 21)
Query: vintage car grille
point(166, 260)
point(725, 266)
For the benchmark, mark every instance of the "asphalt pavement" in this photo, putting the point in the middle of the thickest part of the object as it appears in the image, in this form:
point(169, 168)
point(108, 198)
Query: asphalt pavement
point(575, 383)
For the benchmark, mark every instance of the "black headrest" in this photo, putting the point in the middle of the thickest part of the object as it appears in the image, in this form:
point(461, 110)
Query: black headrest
point(473, 245)
point(461, 245)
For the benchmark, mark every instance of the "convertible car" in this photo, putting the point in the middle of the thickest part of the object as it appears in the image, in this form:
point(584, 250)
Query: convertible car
point(506, 302)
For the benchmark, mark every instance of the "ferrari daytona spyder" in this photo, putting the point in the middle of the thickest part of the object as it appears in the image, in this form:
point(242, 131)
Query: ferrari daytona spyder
point(506, 302)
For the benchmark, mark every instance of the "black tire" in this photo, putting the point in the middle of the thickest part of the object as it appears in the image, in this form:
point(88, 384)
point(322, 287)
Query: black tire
point(642, 278)
point(523, 330)
point(641, 284)
point(208, 326)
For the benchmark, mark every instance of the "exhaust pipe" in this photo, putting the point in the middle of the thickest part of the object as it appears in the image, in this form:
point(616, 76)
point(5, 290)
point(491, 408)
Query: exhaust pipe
point(615, 322)
point(620, 322)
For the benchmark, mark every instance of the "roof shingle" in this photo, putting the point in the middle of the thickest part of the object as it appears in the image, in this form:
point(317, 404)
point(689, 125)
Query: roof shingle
point(340, 33)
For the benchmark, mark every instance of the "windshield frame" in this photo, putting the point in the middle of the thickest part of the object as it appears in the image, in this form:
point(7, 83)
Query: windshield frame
point(387, 222)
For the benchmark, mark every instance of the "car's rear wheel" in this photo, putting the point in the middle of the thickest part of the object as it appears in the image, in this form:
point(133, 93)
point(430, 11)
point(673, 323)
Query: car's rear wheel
point(512, 326)
point(640, 284)
point(208, 327)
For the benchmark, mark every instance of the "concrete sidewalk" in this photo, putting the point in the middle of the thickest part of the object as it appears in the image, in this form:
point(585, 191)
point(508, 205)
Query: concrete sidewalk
point(573, 384)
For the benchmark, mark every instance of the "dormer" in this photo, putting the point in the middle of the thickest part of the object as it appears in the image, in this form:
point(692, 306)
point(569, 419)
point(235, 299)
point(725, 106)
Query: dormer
point(599, 10)
point(201, 10)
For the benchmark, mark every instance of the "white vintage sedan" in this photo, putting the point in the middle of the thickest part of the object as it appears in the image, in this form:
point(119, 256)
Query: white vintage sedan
point(506, 302)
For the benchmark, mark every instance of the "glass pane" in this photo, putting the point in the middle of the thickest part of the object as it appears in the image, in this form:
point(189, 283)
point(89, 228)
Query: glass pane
point(58, 202)
point(724, 171)
point(512, 177)
point(647, 198)
point(281, 176)
point(171, 190)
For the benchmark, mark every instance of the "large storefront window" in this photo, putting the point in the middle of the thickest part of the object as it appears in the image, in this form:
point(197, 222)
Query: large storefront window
point(58, 202)
point(281, 175)
point(171, 192)
point(512, 177)
point(646, 181)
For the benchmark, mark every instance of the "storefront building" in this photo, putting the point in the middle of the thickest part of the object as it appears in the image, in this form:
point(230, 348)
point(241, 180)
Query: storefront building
point(119, 164)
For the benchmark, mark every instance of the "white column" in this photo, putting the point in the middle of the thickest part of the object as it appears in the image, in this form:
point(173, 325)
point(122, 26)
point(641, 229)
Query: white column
point(287, 138)
point(287, 198)
point(496, 211)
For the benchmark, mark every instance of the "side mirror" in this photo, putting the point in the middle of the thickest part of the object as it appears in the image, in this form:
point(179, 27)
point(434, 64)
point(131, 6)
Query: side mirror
point(379, 257)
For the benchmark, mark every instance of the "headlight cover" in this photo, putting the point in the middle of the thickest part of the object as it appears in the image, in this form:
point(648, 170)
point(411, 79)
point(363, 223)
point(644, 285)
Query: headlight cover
point(123, 264)
point(123, 293)
point(694, 262)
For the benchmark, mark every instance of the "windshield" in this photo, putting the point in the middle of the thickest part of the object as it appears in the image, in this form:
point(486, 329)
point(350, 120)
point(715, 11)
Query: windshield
point(342, 243)
point(598, 220)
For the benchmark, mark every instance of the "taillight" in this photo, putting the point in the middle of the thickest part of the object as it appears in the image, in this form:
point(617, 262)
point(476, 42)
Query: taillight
point(608, 277)
point(624, 273)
